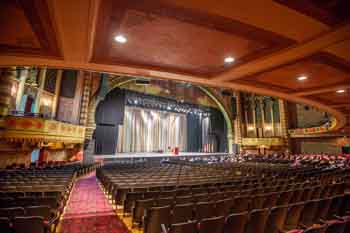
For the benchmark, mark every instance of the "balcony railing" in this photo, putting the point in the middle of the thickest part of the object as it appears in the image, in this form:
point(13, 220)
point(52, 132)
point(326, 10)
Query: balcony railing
point(35, 129)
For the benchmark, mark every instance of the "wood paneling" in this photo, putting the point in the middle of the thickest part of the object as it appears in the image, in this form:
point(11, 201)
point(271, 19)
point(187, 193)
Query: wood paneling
point(329, 12)
point(27, 28)
point(181, 40)
point(321, 69)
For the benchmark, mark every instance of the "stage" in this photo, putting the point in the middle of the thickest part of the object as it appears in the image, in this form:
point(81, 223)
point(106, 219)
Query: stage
point(148, 155)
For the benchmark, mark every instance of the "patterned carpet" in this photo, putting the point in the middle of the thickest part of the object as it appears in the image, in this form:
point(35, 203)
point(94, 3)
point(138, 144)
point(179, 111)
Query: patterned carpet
point(88, 210)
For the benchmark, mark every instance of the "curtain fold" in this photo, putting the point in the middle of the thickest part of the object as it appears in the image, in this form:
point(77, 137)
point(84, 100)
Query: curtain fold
point(146, 130)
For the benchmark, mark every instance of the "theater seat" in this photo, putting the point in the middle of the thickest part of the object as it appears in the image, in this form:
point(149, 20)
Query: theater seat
point(31, 224)
point(11, 212)
point(257, 221)
point(155, 217)
point(316, 229)
point(211, 225)
point(293, 216)
point(276, 219)
point(236, 223)
point(308, 214)
point(186, 227)
point(182, 213)
point(42, 211)
point(5, 225)
point(336, 226)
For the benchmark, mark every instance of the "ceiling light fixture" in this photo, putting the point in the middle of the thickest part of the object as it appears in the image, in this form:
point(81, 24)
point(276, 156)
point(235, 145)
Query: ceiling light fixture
point(340, 91)
point(229, 59)
point(120, 39)
point(302, 78)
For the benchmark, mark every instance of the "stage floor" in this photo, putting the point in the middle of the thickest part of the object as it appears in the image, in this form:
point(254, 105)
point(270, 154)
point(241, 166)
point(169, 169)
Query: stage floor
point(155, 155)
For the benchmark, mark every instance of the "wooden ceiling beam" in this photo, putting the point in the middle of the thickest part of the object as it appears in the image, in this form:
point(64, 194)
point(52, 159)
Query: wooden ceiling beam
point(315, 91)
point(288, 55)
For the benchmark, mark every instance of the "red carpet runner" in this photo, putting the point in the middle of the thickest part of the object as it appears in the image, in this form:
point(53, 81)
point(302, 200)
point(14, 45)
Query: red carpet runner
point(88, 210)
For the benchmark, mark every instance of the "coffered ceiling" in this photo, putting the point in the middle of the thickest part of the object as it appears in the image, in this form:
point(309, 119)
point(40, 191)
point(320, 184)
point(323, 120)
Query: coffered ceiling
point(270, 43)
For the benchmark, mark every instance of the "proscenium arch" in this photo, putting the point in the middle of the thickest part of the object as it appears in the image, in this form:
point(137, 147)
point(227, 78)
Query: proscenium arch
point(206, 91)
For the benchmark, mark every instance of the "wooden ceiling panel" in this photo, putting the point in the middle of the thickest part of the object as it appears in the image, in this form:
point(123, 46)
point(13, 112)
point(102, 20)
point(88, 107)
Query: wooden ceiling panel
point(177, 39)
point(334, 98)
point(322, 70)
point(10, 28)
point(326, 11)
point(26, 28)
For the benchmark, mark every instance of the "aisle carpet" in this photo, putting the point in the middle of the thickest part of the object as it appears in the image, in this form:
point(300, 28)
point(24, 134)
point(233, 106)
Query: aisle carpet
point(89, 211)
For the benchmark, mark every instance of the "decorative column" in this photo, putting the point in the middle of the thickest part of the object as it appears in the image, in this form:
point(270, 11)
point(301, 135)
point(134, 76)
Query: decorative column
point(256, 132)
point(238, 121)
point(6, 79)
point(57, 93)
point(272, 118)
point(262, 112)
point(23, 77)
point(284, 122)
point(85, 98)
point(42, 76)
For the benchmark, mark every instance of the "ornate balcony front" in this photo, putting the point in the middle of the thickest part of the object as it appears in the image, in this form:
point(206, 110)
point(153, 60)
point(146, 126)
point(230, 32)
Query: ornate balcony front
point(33, 129)
point(267, 142)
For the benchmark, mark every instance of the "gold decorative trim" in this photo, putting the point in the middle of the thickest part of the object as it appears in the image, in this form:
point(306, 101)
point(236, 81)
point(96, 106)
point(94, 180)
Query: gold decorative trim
point(41, 130)
point(263, 142)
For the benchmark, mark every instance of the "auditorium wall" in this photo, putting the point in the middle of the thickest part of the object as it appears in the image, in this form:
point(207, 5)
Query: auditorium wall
point(13, 153)
point(326, 145)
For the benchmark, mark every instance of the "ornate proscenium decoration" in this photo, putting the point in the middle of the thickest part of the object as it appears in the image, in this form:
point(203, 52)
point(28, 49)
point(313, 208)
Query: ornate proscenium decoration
point(20, 129)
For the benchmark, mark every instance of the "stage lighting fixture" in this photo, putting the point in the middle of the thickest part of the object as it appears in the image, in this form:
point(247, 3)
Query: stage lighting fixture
point(120, 39)
point(142, 82)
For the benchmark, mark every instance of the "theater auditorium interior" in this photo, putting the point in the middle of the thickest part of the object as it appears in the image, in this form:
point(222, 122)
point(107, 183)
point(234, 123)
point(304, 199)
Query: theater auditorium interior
point(174, 116)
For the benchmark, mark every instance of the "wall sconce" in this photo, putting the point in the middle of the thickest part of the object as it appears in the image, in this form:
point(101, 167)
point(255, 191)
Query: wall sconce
point(268, 127)
point(250, 128)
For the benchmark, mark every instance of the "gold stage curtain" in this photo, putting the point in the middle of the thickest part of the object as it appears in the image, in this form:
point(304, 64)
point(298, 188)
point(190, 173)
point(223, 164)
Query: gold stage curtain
point(147, 130)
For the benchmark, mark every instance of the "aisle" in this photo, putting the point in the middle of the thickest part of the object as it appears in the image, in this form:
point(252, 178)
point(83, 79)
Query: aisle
point(89, 211)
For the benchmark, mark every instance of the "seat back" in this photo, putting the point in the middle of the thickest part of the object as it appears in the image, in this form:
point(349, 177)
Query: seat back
point(284, 198)
point(223, 207)
point(5, 225)
point(42, 211)
point(323, 207)
point(293, 216)
point(31, 224)
point(335, 207)
point(276, 219)
point(257, 221)
point(204, 210)
point(212, 225)
point(155, 217)
point(241, 204)
point(186, 227)
point(316, 229)
point(309, 213)
point(236, 223)
point(182, 213)
point(336, 227)
point(271, 200)
point(140, 207)
point(11, 212)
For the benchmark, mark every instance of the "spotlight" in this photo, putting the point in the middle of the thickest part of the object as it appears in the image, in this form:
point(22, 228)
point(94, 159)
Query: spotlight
point(120, 39)
point(302, 78)
point(229, 59)
point(340, 91)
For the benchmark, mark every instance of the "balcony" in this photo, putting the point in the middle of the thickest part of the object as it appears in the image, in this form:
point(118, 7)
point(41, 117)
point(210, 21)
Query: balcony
point(267, 142)
point(35, 129)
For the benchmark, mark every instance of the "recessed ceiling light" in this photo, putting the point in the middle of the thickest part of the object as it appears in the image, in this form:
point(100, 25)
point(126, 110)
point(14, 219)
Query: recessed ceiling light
point(340, 91)
point(120, 39)
point(229, 59)
point(302, 78)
